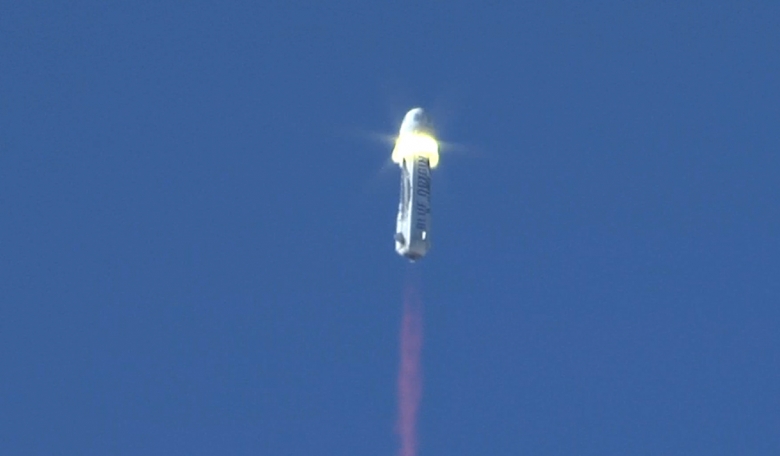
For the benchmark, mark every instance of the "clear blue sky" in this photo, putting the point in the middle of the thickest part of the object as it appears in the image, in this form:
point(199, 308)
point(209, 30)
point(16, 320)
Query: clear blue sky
point(196, 252)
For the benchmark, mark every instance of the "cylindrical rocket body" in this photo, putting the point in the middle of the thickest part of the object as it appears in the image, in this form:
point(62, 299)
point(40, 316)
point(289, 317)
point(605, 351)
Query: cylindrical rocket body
point(412, 239)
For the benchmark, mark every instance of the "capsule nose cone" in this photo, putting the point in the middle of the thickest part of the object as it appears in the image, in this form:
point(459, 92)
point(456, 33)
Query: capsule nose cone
point(415, 113)
point(414, 121)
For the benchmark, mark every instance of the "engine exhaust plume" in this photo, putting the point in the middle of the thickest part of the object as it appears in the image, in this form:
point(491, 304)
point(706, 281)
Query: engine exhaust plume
point(410, 374)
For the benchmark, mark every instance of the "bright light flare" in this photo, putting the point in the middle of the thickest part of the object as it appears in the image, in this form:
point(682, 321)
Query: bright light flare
point(410, 145)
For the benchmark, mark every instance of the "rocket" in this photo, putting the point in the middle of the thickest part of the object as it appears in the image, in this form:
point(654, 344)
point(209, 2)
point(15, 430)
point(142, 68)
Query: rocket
point(416, 152)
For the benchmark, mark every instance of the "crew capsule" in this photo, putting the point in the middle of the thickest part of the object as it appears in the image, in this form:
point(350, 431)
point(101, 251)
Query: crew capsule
point(416, 137)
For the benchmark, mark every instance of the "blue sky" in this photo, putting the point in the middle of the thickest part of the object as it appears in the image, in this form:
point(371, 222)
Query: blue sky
point(196, 250)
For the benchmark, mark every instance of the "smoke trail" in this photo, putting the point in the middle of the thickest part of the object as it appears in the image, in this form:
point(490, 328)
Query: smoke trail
point(410, 375)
